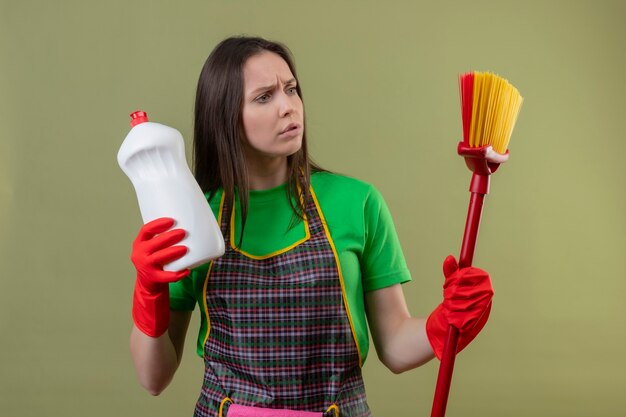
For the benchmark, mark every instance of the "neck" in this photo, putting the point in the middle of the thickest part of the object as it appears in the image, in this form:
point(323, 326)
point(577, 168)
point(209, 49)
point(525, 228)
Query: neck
point(267, 173)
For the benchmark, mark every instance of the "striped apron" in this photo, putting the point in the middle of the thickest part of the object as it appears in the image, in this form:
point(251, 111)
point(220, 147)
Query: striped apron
point(279, 337)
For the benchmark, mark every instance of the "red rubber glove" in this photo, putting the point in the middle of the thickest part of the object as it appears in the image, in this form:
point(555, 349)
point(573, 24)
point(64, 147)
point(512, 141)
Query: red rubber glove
point(467, 294)
point(151, 250)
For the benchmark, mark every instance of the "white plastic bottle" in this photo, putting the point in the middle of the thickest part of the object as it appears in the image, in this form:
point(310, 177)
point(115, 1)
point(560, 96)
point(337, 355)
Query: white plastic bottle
point(153, 157)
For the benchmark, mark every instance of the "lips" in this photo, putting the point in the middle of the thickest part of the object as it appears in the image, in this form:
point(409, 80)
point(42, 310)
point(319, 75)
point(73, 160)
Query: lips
point(290, 127)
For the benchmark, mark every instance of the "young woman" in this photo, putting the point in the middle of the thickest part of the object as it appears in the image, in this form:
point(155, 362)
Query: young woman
point(309, 255)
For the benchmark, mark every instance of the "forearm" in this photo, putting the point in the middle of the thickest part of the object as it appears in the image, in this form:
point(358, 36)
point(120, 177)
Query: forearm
point(157, 358)
point(400, 340)
point(408, 347)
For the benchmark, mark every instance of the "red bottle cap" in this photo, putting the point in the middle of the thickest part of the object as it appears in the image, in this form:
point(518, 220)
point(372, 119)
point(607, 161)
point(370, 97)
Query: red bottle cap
point(138, 117)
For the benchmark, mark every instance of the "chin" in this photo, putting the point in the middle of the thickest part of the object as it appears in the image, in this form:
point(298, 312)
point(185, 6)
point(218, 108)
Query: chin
point(293, 147)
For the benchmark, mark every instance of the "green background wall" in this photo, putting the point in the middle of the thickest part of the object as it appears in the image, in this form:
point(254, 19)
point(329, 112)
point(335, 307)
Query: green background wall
point(380, 87)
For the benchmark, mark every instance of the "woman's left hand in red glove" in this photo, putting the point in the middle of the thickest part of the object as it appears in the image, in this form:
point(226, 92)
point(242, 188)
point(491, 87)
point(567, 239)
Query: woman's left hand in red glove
point(467, 294)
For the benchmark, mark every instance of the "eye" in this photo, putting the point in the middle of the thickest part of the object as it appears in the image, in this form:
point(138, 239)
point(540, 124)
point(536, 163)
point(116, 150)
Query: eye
point(263, 98)
point(292, 90)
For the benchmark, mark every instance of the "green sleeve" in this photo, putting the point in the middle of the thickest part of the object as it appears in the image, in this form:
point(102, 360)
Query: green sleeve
point(382, 263)
point(182, 296)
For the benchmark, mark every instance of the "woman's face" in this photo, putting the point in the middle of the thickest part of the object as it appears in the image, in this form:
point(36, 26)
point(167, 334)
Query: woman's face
point(273, 118)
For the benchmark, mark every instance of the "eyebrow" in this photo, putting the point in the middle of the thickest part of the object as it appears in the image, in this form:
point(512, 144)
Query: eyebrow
point(271, 87)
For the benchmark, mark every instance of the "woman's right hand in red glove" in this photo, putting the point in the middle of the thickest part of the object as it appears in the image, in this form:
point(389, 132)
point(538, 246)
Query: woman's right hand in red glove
point(152, 249)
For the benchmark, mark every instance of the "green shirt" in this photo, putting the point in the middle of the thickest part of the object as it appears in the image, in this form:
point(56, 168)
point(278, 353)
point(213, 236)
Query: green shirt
point(360, 226)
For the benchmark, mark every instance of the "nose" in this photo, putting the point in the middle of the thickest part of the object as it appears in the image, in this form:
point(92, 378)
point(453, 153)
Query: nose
point(286, 105)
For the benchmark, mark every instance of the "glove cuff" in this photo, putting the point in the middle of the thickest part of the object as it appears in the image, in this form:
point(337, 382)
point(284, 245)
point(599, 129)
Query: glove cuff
point(437, 330)
point(151, 309)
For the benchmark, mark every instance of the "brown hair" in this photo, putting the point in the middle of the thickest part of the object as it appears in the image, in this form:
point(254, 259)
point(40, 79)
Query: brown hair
point(218, 154)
